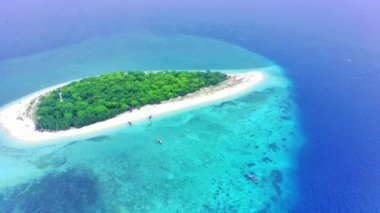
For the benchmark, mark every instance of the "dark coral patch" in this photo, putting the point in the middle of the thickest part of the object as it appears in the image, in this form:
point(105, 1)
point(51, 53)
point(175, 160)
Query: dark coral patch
point(71, 191)
point(251, 164)
point(266, 160)
point(226, 103)
point(276, 176)
point(99, 138)
point(273, 147)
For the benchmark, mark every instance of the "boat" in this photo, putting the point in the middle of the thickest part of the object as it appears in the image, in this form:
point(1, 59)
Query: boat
point(252, 178)
point(159, 140)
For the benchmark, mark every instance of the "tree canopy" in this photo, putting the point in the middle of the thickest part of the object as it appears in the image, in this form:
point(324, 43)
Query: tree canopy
point(102, 97)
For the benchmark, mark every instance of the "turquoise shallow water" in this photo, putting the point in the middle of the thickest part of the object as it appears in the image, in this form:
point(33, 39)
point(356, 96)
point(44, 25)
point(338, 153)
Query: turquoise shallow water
point(206, 154)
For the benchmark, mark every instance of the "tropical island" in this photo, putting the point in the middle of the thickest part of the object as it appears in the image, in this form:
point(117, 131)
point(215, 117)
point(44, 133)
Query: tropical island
point(99, 98)
point(96, 103)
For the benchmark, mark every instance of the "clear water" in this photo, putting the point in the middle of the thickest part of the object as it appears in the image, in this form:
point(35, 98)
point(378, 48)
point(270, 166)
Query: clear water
point(206, 153)
point(329, 49)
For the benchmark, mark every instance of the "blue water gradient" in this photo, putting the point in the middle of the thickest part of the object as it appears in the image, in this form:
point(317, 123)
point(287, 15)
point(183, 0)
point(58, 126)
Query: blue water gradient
point(330, 50)
point(207, 151)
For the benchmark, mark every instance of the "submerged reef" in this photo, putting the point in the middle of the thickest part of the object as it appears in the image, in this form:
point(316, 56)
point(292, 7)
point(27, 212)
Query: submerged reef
point(74, 190)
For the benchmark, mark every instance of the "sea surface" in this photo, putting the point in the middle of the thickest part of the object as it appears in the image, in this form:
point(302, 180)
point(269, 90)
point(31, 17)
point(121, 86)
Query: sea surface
point(309, 133)
point(207, 151)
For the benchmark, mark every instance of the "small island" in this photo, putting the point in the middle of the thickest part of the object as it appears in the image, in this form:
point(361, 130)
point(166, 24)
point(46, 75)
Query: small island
point(96, 103)
point(99, 98)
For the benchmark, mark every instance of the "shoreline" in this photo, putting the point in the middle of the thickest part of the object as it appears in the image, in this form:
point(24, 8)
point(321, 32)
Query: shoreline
point(15, 121)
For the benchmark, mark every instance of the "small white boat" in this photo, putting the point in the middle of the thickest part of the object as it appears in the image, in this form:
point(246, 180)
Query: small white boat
point(159, 140)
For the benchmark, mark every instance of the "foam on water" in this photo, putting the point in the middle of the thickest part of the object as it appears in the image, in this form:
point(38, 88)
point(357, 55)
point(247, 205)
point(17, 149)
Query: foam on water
point(201, 165)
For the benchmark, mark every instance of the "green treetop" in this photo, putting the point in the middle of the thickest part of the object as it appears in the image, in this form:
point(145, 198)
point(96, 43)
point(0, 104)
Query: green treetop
point(102, 97)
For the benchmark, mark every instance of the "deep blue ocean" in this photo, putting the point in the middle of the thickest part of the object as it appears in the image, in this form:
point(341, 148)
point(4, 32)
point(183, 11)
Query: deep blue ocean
point(329, 51)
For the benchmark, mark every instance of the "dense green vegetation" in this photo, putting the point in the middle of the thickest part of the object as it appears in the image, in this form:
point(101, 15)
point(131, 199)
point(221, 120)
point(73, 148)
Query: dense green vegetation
point(99, 98)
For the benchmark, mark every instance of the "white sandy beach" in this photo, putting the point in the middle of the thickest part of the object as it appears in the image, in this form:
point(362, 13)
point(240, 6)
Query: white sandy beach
point(16, 121)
